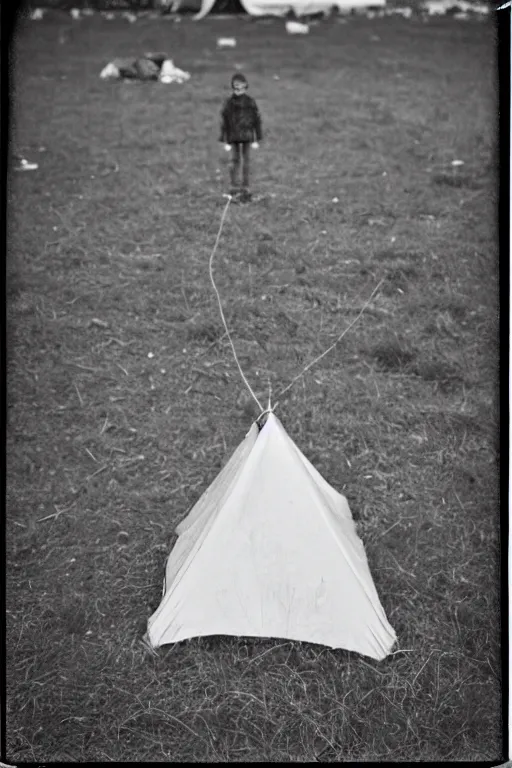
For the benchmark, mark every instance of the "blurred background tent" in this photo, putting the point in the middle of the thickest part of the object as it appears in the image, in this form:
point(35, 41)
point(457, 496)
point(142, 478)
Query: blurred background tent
point(202, 8)
point(195, 7)
point(284, 7)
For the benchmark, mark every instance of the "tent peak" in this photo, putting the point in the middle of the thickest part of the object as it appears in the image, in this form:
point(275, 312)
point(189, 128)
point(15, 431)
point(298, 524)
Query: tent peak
point(264, 417)
point(265, 413)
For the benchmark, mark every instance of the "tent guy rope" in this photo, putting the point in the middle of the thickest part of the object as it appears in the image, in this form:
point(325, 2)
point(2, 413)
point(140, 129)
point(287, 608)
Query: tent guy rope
point(270, 408)
point(329, 349)
point(220, 303)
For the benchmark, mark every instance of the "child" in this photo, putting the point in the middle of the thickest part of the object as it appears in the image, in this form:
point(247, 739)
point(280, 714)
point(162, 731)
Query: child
point(240, 130)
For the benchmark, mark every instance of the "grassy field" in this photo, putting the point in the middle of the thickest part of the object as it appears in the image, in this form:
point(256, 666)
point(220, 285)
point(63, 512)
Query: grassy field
point(124, 399)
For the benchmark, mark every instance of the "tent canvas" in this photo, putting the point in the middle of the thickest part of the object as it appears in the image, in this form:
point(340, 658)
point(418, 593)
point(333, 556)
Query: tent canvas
point(299, 7)
point(271, 550)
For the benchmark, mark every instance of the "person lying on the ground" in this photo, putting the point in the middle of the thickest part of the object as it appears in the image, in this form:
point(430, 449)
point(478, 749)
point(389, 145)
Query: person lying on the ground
point(146, 67)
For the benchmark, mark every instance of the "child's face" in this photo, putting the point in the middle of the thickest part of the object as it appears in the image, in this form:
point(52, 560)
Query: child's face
point(239, 88)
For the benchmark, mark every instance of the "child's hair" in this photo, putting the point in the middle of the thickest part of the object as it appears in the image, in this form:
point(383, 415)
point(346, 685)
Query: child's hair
point(239, 78)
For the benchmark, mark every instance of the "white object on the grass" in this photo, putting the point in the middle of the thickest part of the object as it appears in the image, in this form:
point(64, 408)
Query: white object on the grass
point(110, 72)
point(405, 12)
point(227, 147)
point(457, 162)
point(467, 7)
point(226, 42)
point(37, 14)
point(26, 165)
point(481, 8)
point(75, 13)
point(335, 199)
point(255, 145)
point(299, 7)
point(296, 28)
point(438, 7)
point(171, 74)
point(271, 550)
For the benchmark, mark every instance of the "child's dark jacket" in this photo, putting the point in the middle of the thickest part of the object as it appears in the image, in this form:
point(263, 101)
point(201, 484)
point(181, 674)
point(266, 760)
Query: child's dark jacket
point(240, 120)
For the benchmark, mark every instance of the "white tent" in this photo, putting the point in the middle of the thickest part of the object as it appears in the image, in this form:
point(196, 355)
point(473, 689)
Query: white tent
point(271, 550)
point(299, 7)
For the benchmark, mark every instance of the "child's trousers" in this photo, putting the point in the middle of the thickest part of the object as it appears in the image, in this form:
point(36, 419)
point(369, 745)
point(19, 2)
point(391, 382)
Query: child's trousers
point(240, 157)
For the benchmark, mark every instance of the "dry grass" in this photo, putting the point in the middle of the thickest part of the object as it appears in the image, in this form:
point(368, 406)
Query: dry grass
point(124, 400)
